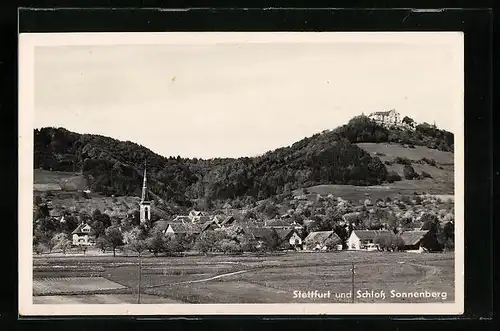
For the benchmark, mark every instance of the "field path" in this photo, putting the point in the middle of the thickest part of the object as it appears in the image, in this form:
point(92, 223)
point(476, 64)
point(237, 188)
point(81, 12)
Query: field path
point(201, 280)
point(430, 271)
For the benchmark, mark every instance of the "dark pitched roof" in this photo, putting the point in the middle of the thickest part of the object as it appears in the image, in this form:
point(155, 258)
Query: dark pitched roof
point(182, 219)
point(161, 225)
point(78, 229)
point(203, 219)
point(278, 223)
point(319, 237)
point(285, 234)
point(186, 228)
point(411, 238)
point(228, 220)
point(207, 224)
point(369, 234)
point(260, 233)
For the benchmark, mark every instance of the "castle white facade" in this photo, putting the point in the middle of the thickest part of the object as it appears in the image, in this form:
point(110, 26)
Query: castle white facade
point(386, 117)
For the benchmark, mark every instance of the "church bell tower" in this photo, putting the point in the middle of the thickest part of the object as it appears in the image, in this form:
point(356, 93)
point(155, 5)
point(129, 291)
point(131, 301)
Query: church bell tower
point(145, 204)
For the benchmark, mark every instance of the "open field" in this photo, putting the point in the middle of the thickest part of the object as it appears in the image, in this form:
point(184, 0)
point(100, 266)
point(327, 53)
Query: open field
point(392, 151)
point(45, 180)
point(100, 299)
point(394, 190)
point(250, 278)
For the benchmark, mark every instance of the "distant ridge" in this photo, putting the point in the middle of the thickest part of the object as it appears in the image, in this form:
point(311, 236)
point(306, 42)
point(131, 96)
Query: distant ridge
point(114, 167)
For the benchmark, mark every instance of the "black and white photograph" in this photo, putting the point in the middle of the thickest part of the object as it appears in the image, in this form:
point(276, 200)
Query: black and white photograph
point(241, 173)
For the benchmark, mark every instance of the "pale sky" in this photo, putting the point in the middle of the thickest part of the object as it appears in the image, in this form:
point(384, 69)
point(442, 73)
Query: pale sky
point(241, 99)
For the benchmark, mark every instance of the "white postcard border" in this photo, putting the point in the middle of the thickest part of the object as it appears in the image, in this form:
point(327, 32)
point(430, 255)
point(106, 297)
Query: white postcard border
point(27, 44)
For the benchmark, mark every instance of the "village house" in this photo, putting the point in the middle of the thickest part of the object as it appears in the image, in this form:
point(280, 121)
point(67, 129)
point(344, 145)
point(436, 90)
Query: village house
point(364, 239)
point(83, 236)
point(198, 216)
point(419, 241)
point(182, 219)
point(289, 239)
point(318, 241)
point(182, 229)
point(209, 225)
point(263, 236)
point(225, 221)
point(160, 225)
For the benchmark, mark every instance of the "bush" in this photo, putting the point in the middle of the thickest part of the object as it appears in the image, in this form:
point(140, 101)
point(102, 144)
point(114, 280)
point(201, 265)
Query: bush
point(389, 242)
point(387, 162)
point(409, 172)
point(393, 176)
point(402, 160)
point(230, 246)
point(429, 161)
point(425, 175)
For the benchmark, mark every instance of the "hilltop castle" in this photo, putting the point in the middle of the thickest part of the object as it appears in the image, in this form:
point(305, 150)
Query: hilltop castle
point(392, 118)
point(386, 117)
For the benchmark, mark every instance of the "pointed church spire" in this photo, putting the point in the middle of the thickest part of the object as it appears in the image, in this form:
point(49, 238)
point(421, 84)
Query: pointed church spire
point(144, 196)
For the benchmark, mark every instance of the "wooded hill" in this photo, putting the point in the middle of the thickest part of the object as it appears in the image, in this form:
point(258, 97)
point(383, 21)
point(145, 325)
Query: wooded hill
point(114, 167)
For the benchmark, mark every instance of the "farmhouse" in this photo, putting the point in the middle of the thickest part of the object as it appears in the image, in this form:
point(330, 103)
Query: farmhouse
point(362, 239)
point(161, 225)
point(225, 222)
point(278, 224)
point(318, 241)
point(183, 229)
point(83, 236)
point(209, 225)
point(263, 236)
point(289, 238)
point(182, 219)
point(197, 216)
point(419, 241)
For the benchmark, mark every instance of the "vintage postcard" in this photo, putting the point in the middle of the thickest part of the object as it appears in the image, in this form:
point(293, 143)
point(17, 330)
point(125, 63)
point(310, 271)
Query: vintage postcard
point(241, 173)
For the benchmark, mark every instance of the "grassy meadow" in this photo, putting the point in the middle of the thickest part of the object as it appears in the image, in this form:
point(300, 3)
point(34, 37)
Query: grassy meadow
point(242, 279)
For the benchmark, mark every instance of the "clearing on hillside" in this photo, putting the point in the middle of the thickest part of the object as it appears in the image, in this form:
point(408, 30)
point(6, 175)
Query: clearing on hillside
point(392, 151)
point(45, 180)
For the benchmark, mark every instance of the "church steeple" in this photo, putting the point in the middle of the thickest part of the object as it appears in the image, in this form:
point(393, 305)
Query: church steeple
point(144, 196)
point(145, 204)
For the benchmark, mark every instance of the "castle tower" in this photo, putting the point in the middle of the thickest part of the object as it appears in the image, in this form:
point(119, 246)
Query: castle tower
point(145, 204)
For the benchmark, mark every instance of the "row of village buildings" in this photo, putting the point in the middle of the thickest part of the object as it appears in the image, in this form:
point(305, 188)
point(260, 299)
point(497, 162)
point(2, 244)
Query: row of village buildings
point(290, 235)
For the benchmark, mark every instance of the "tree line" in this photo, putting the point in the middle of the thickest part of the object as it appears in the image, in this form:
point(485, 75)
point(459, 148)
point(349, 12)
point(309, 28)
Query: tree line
point(114, 167)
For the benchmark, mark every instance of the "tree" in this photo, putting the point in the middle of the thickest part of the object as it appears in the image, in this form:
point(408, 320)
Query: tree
point(206, 241)
point(409, 121)
point(114, 237)
point(103, 243)
point(409, 172)
point(392, 177)
point(172, 245)
point(332, 242)
point(156, 242)
point(447, 236)
point(136, 240)
point(61, 241)
point(39, 248)
point(270, 210)
point(97, 228)
point(389, 242)
point(229, 246)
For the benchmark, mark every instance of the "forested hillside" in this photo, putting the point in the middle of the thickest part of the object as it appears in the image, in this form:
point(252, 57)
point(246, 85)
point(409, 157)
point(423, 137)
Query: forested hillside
point(115, 167)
